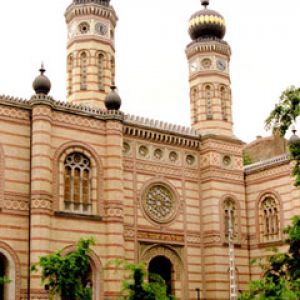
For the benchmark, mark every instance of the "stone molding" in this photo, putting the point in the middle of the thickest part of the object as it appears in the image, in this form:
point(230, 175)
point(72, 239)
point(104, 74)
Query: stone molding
point(266, 164)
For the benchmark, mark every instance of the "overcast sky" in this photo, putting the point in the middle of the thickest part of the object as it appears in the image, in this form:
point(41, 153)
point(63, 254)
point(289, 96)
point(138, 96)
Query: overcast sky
point(152, 71)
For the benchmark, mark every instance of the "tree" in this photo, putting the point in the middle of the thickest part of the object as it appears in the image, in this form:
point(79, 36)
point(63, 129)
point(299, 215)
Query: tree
point(135, 287)
point(66, 275)
point(282, 117)
point(282, 272)
point(4, 280)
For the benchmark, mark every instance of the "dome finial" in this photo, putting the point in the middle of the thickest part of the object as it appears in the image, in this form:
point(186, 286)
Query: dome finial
point(294, 130)
point(205, 3)
point(42, 69)
point(42, 84)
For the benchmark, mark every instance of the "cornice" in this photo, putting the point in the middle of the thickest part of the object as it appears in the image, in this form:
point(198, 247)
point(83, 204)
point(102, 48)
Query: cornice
point(91, 9)
point(208, 45)
point(159, 131)
point(267, 164)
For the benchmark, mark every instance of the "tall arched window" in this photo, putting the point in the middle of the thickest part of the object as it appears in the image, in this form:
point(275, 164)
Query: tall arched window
point(208, 102)
point(101, 73)
point(77, 183)
point(223, 102)
point(3, 273)
point(70, 74)
point(8, 270)
point(194, 112)
point(113, 70)
point(83, 71)
point(270, 221)
point(230, 217)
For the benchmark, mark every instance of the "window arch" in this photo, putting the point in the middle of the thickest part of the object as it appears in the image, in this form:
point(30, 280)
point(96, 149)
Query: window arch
point(208, 92)
point(77, 183)
point(223, 102)
point(70, 74)
point(230, 218)
point(61, 174)
point(101, 70)
point(83, 70)
point(269, 212)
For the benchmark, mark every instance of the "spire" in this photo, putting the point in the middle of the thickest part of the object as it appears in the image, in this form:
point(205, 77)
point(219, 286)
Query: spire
point(205, 3)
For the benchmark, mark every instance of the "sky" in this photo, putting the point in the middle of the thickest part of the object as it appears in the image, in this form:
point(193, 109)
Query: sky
point(151, 66)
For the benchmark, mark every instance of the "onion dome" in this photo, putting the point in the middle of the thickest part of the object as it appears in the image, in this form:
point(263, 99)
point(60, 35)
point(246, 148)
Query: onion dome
point(42, 84)
point(99, 2)
point(113, 100)
point(207, 23)
point(294, 139)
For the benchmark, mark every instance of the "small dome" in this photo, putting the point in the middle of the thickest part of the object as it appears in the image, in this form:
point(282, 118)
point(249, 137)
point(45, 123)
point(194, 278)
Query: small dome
point(207, 23)
point(113, 100)
point(294, 139)
point(42, 84)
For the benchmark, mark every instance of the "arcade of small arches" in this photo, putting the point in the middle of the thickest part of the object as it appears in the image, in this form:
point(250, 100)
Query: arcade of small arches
point(84, 60)
point(203, 97)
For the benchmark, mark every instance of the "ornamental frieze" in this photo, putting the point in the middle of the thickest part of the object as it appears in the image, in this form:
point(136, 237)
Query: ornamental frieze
point(14, 113)
point(20, 205)
point(222, 147)
point(161, 237)
point(263, 175)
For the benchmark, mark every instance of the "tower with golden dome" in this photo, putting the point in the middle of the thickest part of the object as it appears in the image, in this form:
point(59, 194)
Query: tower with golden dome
point(209, 57)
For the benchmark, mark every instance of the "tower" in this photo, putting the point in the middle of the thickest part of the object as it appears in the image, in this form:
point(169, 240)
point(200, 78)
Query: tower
point(90, 51)
point(209, 56)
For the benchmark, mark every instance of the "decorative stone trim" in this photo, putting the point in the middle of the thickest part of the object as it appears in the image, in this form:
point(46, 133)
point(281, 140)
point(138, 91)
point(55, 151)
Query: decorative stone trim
point(266, 164)
point(89, 8)
point(208, 45)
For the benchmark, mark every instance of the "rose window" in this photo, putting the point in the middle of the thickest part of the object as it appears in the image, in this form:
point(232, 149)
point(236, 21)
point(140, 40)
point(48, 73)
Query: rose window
point(159, 203)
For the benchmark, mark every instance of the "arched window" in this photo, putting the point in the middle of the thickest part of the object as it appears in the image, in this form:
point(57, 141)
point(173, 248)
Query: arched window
point(194, 112)
point(83, 71)
point(269, 220)
point(230, 218)
point(77, 183)
point(113, 70)
point(70, 74)
point(3, 273)
point(208, 102)
point(223, 102)
point(101, 73)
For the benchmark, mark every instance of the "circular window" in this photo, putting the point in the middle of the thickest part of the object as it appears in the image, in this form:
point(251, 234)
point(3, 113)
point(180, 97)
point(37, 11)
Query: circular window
point(173, 156)
point(84, 27)
point(143, 151)
point(226, 160)
point(190, 159)
point(160, 203)
point(206, 63)
point(158, 154)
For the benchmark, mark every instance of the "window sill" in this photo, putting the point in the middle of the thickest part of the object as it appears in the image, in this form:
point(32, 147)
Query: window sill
point(73, 215)
point(271, 243)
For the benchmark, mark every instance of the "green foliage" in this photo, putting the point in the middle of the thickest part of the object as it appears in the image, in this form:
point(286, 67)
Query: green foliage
point(134, 285)
point(4, 280)
point(247, 160)
point(282, 272)
point(65, 275)
point(282, 117)
point(285, 112)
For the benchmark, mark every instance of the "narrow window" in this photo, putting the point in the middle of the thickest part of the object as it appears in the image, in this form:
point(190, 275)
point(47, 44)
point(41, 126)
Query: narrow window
point(223, 103)
point(101, 73)
point(230, 218)
point(208, 102)
point(113, 70)
point(269, 212)
point(70, 75)
point(77, 182)
point(83, 71)
point(194, 111)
